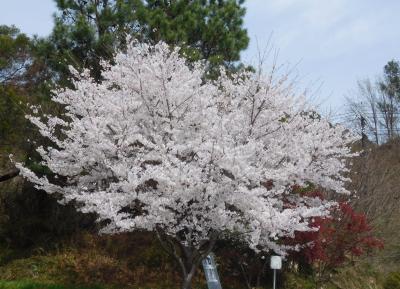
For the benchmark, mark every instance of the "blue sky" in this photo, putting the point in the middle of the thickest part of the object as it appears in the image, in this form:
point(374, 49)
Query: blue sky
point(332, 43)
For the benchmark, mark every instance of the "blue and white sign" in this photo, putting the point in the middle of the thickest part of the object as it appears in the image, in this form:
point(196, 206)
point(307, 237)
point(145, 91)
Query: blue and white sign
point(210, 270)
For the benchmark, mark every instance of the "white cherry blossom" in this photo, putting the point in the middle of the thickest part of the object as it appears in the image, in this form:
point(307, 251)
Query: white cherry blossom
point(157, 146)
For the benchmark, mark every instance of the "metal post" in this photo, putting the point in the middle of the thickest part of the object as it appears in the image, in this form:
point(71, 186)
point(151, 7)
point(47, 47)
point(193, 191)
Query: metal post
point(274, 279)
point(276, 264)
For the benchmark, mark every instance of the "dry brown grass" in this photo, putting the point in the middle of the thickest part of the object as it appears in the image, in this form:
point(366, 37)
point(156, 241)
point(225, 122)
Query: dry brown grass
point(121, 261)
point(376, 179)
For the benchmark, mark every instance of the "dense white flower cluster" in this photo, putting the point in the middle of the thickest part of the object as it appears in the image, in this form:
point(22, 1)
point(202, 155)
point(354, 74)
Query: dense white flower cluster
point(156, 145)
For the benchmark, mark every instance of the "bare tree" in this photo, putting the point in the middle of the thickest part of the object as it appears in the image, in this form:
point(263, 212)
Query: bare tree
point(374, 109)
point(367, 89)
point(387, 105)
point(363, 111)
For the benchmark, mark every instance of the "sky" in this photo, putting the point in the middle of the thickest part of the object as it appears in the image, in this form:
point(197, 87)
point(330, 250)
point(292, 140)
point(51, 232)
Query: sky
point(329, 44)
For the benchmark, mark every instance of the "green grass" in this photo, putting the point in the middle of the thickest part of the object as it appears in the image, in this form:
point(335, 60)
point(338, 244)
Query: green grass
point(31, 285)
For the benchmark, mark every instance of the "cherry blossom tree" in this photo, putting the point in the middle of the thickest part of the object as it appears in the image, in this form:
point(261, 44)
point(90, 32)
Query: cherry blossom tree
point(158, 146)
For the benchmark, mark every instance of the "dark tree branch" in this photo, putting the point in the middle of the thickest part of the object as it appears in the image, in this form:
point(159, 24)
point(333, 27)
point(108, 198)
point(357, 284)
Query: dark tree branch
point(9, 175)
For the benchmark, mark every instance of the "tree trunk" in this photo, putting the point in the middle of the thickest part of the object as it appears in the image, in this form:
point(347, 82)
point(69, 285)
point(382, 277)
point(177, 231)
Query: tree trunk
point(188, 261)
point(188, 257)
point(188, 277)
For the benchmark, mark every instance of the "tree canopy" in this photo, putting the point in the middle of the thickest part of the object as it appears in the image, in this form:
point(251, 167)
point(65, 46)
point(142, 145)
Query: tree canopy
point(20, 76)
point(89, 30)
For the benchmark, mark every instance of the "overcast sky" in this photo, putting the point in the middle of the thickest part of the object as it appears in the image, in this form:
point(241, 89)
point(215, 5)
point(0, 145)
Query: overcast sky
point(332, 43)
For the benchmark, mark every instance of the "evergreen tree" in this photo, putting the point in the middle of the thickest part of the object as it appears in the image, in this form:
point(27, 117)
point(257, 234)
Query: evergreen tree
point(390, 98)
point(391, 83)
point(207, 29)
point(15, 49)
point(21, 78)
point(89, 30)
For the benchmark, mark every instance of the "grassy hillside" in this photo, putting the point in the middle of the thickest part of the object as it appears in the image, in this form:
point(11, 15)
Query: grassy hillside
point(376, 179)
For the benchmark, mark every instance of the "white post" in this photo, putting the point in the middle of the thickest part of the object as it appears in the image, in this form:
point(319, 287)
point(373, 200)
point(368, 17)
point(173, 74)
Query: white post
point(276, 264)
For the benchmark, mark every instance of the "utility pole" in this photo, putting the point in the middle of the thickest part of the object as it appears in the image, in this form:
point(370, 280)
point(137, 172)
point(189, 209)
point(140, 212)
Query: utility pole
point(363, 135)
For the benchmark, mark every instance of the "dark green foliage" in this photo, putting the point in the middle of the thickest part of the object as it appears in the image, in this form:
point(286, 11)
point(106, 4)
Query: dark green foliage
point(12, 121)
point(22, 83)
point(14, 53)
point(35, 219)
point(87, 31)
point(390, 89)
point(19, 63)
point(391, 83)
point(206, 29)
